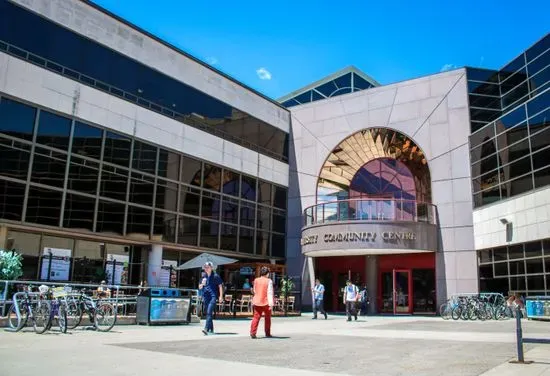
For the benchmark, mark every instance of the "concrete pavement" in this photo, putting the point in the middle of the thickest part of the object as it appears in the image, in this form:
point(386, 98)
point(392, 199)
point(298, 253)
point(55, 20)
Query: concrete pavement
point(370, 346)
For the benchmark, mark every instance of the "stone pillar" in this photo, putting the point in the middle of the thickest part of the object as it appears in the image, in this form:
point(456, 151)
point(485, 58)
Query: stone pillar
point(3, 236)
point(372, 283)
point(308, 280)
point(154, 265)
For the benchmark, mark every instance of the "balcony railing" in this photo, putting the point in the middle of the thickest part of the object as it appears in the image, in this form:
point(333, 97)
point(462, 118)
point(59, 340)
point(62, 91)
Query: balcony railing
point(370, 210)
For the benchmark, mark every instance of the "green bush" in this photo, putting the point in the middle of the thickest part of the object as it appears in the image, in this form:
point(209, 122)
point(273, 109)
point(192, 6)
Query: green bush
point(10, 265)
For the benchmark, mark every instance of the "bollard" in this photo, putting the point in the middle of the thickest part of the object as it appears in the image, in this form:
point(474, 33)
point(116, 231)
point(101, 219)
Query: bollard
point(519, 339)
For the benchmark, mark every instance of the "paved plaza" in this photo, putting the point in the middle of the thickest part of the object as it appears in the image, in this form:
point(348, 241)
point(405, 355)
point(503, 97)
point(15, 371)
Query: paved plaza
point(370, 346)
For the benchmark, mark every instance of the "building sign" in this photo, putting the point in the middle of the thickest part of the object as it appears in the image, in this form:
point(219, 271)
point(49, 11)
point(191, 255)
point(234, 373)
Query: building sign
point(116, 269)
point(56, 264)
point(246, 270)
point(168, 273)
point(339, 237)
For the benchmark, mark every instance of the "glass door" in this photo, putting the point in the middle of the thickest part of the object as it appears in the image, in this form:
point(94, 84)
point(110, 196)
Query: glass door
point(387, 292)
point(402, 288)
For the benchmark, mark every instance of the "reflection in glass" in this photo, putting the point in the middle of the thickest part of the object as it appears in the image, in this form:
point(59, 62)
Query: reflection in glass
point(43, 206)
point(209, 234)
point(212, 177)
point(11, 204)
point(53, 130)
point(167, 195)
point(535, 282)
point(117, 149)
point(246, 240)
point(190, 200)
point(263, 218)
point(14, 159)
point(83, 175)
point(16, 119)
point(191, 171)
point(110, 217)
point(144, 157)
point(230, 210)
point(278, 246)
point(79, 212)
point(248, 211)
point(263, 243)
point(231, 183)
point(139, 220)
point(265, 195)
point(87, 140)
point(141, 189)
point(210, 207)
point(165, 225)
point(188, 230)
point(228, 239)
point(48, 167)
point(534, 266)
point(248, 188)
point(169, 165)
point(113, 183)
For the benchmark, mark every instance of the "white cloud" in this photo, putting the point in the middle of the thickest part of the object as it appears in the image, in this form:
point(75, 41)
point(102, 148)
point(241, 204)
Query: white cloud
point(212, 60)
point(447, 67)
point(263, 74)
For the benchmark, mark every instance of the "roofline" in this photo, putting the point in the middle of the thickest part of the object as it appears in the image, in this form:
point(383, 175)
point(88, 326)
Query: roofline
point(179, 50)
point(523, 51)
point(348, 69)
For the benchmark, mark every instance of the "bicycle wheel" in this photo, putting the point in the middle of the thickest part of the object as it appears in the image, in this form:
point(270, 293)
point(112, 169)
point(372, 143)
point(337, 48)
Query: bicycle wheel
point(12, 317)
point(74, 315)
point(41, 316)
point(456, 313)
point(104, 317)
point(62, 318)
point(445, 311)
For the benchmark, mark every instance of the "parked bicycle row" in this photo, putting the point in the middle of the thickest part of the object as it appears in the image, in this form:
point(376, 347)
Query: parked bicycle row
point(479, 307)
point(61, 307)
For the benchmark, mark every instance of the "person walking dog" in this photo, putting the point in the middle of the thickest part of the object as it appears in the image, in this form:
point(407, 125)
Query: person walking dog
point(262, 302)
point(318, 297)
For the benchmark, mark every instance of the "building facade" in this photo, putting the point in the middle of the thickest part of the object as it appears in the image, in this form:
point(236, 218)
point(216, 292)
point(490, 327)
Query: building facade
point(115, 147)
point(118, 148)
point(425, 188)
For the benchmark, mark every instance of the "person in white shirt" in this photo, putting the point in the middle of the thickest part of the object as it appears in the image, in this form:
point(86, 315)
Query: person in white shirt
point(351, 295)
point(318, 292)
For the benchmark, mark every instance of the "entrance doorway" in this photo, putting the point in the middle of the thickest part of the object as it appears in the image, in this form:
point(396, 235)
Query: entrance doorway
point(396, 291)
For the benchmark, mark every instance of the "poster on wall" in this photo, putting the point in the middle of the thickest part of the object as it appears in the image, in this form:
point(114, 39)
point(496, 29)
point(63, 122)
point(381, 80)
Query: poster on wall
point(168, 273)
point(116, 266)
point(59, 267)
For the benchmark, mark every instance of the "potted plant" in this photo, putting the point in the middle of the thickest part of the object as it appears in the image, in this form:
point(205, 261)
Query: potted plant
point(287, 286)
point(11, 268)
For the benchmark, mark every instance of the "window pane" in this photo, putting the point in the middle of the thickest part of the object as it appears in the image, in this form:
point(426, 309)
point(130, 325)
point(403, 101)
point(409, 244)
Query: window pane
point(541, 139)
point(79, 212)
point(541, 159)
point(278, 245)
point(262, 243)
point(113, 183)
point(44, 206)
point(534, 266)
point(246, 240)
point(483, 88)
point(535, 282)
point(279, 197)
point(117, 149)
point(513, 80)
point(188, 230)
point(517, 186)
point(485, 256)
point(167, 195)
point(48, 167)
point(144, 157)
point(190, 200)
point(486, 271)
point(514, 95)
point(542, 178)
point(248, 211)
point(83, 175)
point(515, 251)
point(209, 234)
point(165, 225)
point(110, 217)
point(87, 140)
point(538, 103)
point(512, 119)
point(11, 200)
point(517, 283)
point(231, 183)
point(265, 197)
point(540, 82)
point(512, 67)
point(228, 237)
point(263, 218)
point(539, 122)
point(212, 177)
point(139, 220)
point(169, 165)
point(514, 152)
point(517, 267)
point(279, 221)
point(16, 119)
point(533, 249)
point(230, 210)
point(53, 130)
point(500, 254)
point(141, 189)
point(211, 205)
point(248, 188)
point(14, 159)
point(191, 171)
point(538, 48)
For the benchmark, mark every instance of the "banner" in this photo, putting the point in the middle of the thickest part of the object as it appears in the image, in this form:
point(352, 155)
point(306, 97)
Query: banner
point(60, 265)
point(167, 279)
point(120, 269)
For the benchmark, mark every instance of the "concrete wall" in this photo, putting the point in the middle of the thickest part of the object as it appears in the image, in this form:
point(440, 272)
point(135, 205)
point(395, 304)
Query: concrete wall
point(529, 214)
point(433, 111)
point(45, 88)
point(82, 18)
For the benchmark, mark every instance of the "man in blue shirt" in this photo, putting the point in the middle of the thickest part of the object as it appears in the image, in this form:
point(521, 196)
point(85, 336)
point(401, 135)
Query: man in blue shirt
point(212, 292)
point(318, 292)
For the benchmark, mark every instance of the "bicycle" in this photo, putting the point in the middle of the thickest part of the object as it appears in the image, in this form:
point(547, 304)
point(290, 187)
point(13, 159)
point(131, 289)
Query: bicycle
point(102, 315)
point(38, 312)
point(58, 308)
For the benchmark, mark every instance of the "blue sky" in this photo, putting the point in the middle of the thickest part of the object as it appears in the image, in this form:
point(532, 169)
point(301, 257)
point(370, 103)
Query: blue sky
point(298, 42)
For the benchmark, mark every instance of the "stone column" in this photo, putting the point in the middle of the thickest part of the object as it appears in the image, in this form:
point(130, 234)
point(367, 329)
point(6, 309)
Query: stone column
point(154, 265)
point(3, 236)
point(372, 283)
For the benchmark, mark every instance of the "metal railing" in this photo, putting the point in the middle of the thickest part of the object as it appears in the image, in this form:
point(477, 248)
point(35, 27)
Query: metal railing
point(520, 340)
point(190, 120)
point(371, 210)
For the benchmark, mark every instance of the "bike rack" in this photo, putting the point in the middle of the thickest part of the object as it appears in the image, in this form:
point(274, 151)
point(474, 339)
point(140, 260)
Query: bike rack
point(520, 340)
point(16, 304)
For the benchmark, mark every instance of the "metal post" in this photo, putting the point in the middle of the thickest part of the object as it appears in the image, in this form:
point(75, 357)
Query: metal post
point(49, 266)
point(113, 274)
point(519, 336)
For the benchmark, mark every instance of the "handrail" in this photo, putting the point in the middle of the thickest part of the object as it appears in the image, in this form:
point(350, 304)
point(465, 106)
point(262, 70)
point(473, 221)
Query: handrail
point(372, 209)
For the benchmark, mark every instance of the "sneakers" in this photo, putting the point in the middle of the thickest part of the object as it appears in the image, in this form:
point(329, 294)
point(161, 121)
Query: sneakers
point(355, 318)
point(205, 332)
point(314, 318)
point(253, 336)
point(326, 316)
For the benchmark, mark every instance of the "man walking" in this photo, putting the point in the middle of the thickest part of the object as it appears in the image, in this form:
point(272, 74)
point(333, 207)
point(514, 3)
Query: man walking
point(212, 291)
point(351, 294)
point(318, 294)
point(262, 302)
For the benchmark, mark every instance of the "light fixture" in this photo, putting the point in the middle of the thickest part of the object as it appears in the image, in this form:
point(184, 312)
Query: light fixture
point(504, 221)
